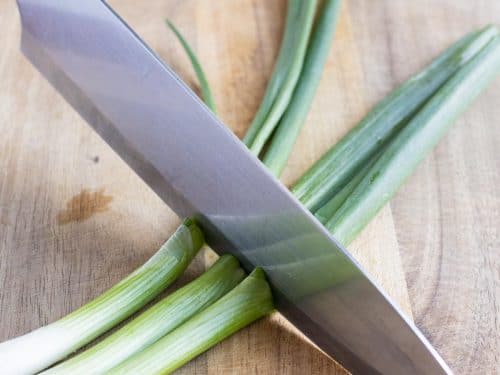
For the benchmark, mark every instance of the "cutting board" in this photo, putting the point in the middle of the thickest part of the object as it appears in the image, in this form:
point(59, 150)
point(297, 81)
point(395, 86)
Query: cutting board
point(74, 219)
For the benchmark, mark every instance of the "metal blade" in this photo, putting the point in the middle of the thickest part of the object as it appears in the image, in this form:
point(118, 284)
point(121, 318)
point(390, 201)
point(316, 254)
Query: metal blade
point(199, 168)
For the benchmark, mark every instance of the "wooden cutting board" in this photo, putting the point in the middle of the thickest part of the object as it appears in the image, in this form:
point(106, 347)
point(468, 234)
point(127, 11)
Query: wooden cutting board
point(74, 219)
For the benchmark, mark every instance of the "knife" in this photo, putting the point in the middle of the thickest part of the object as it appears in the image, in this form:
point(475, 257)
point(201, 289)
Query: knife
point(193, 162)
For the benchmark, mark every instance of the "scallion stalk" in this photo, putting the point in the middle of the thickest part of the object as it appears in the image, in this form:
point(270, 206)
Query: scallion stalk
point(289, 126)
point(414, 141)
point(259, 133)
point(247, 302)
point(43, 347)
point(334, 170)
point(157, 321)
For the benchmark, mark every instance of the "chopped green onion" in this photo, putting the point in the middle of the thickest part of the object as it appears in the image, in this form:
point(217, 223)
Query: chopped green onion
point(43, 347)
point(341, 162)
point(414, 141)
point(206, 93)
point(282, 141)
point(156, 322)
point(247, 302)
point(259, 133)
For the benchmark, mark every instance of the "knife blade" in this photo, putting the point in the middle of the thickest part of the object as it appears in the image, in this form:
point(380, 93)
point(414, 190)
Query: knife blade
point(200, 169)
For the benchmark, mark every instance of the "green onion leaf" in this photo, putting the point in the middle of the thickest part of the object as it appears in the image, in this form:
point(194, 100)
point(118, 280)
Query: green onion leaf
point(280, 70)
point(206, 93)
point(259, 133)
point(334, 170)
point(288, 129)
point(43, 347)
point(326, 212)
point(414, 141)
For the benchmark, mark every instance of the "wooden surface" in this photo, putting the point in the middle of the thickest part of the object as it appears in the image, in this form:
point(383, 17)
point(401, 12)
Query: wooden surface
point(74, 219)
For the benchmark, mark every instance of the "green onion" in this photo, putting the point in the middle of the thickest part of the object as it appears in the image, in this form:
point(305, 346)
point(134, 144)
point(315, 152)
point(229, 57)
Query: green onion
point(414, 141)
point(375, 178)
point(326, 212)
point(43, 347)
point(249, 301)
point(280, 71)
point(206, 93)
point(159, 320)
point(260, 132)
point(345, 189)
point(290, 124)
point(348, 212)
point(340, 164)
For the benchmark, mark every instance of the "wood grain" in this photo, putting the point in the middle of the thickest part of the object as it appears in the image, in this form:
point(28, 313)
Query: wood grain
point(435, 249)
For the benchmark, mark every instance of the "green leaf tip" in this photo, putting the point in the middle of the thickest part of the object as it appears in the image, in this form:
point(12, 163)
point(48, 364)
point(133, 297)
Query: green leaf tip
point(206, 92)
